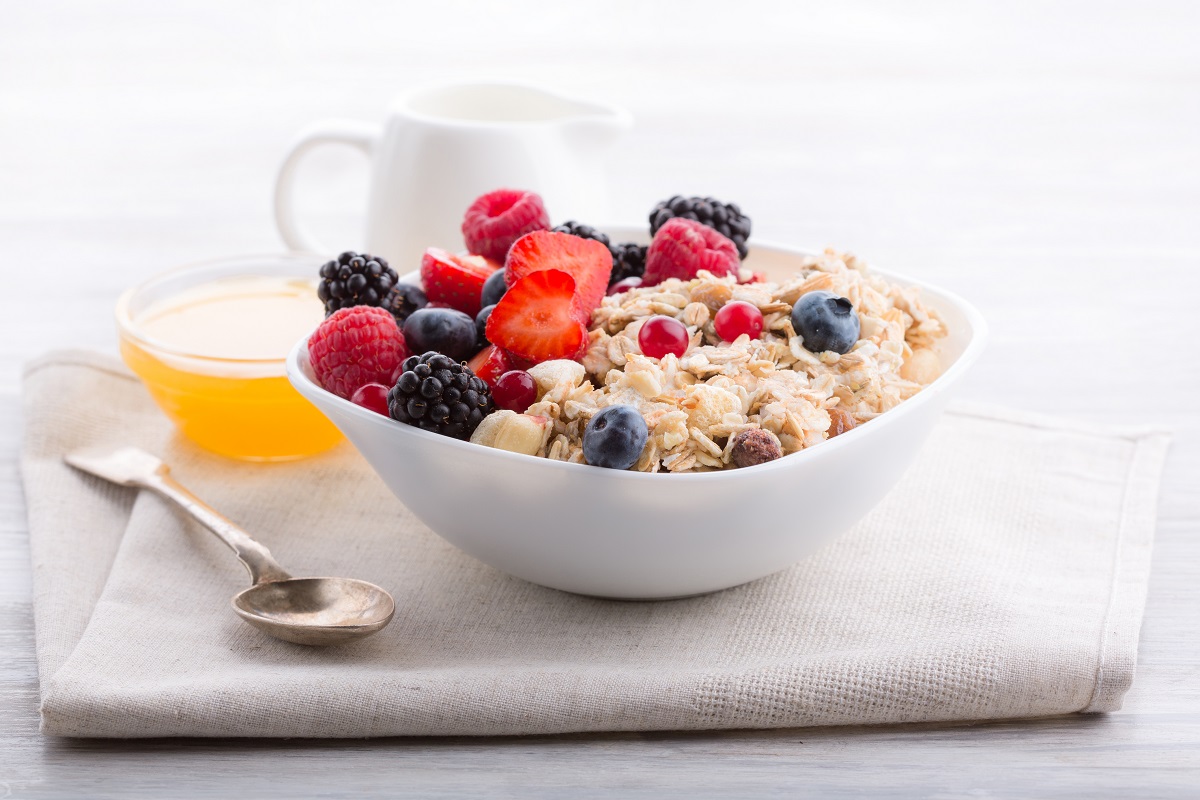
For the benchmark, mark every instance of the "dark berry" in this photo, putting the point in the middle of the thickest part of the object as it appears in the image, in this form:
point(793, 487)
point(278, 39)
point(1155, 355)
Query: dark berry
point(737, 318)
point(614, 437)
point(403, 300)
point(725, 218)
point(354, 279)
point(493, 288)
point(481, 340)
point(436, 393)
point(825, 322)
point(583, 232)
point(660, 335)
point(629, 261)
point(515, 390)
point(445, 330)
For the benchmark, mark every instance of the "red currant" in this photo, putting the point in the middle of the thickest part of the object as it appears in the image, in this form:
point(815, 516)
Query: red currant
point(515, 390)
point(661, 335)
point(737, 318)
point(371, 396)
point(624, 285)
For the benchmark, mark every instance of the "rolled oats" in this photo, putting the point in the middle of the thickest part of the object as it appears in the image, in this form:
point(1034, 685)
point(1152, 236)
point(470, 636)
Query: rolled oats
point(697, 405)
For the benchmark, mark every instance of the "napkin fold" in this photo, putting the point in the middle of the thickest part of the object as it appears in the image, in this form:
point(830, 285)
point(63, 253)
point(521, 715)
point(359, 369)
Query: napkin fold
point(1004, 577)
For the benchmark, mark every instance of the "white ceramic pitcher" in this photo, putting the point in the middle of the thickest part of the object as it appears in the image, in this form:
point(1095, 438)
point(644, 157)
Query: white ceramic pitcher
point(441, 147)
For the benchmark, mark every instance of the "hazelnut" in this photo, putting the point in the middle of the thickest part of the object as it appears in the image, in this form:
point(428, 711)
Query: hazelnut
point(754, 446)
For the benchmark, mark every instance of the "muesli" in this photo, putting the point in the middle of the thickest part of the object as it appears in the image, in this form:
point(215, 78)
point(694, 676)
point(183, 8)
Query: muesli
point(673, 357)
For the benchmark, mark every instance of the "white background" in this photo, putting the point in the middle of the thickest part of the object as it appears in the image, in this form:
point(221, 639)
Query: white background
point(1042, 159)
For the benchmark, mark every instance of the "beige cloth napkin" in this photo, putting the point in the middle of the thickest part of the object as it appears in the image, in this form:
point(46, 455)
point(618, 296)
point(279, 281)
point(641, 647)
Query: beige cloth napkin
point(1004, 577)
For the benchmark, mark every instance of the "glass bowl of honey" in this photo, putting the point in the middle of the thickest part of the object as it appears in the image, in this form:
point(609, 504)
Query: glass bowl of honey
point(209, 342)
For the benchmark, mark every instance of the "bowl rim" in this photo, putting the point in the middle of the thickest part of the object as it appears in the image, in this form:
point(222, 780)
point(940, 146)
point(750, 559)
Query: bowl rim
point(298, 358)
point(128, 328)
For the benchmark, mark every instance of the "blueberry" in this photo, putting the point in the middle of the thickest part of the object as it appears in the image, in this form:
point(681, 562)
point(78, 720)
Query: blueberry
point(826, 322)
point(445, 330)
point(493, 288)
point(614, 437)
point(481, 340)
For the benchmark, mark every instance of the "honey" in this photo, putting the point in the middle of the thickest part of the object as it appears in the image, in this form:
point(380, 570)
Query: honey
point(211, 353)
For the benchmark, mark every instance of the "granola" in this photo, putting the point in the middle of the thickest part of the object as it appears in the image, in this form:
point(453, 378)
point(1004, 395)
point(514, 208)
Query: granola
point(696, 405)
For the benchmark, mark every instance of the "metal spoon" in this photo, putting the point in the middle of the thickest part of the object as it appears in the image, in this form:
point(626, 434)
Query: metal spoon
point(313, 611)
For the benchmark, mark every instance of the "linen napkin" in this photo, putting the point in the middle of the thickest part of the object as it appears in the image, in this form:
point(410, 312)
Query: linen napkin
point(1003, 577)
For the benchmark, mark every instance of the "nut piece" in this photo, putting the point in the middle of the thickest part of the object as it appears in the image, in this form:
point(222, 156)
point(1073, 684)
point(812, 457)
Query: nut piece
point(549, 374)
point(521, 433)
point(485, 434)
point(508, 430)
point(754, 446)
point(922, 367)
point(840, 421)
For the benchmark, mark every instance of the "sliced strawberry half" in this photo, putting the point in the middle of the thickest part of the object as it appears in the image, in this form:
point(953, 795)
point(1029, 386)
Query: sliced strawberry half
point(536, 320)
point(453, 280)
point(491, 362)
point(587, 261)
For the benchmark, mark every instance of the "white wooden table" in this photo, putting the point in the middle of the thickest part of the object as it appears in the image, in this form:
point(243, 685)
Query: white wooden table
point(1044, 160)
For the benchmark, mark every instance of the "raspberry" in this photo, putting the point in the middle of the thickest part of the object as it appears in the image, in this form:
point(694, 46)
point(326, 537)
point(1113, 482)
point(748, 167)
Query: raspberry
point(683, 247)
point(497, 219)
point(356, 346)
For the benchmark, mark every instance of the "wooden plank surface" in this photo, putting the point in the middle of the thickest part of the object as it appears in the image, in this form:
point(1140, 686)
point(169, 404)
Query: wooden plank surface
point(1041, 159)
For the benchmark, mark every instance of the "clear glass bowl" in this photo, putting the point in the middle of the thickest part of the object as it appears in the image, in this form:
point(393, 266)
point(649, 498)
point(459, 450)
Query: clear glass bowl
point(239, 407)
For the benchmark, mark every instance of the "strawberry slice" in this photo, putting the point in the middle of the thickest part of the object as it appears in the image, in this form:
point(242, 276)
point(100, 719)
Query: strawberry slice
point(587, 261)
point(535, 319)
point(453, 280)
point(491, 362)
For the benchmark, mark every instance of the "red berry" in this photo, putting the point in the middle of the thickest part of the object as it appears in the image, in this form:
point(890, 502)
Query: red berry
point(624, 285)
point(661, 335)
point(454, 281)
point(371, 396)
point(355, 346)
point(490, 363)
point(737, 318)
point(497, 219)
point(516, 390)
point(682, 247)
point(587, 261)
point(534, 319)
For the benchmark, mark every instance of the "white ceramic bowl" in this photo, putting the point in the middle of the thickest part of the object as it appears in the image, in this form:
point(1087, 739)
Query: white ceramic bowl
point(636, 535)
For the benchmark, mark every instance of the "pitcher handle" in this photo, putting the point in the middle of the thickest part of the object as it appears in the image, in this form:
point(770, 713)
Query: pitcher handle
point(362, 135)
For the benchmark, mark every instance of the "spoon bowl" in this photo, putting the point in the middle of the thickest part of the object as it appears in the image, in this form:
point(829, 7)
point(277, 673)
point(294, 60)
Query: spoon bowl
point(316, 611)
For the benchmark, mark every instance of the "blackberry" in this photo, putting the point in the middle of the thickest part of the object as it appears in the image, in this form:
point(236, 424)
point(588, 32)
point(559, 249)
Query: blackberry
point(352, 279)
point(583, 232)
point(435, 393)
point(629, 261)
point(403, 299)
point(725, 218)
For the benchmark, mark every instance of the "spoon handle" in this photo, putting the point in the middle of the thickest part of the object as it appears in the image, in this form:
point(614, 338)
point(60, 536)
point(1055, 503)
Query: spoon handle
point(257, 558)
